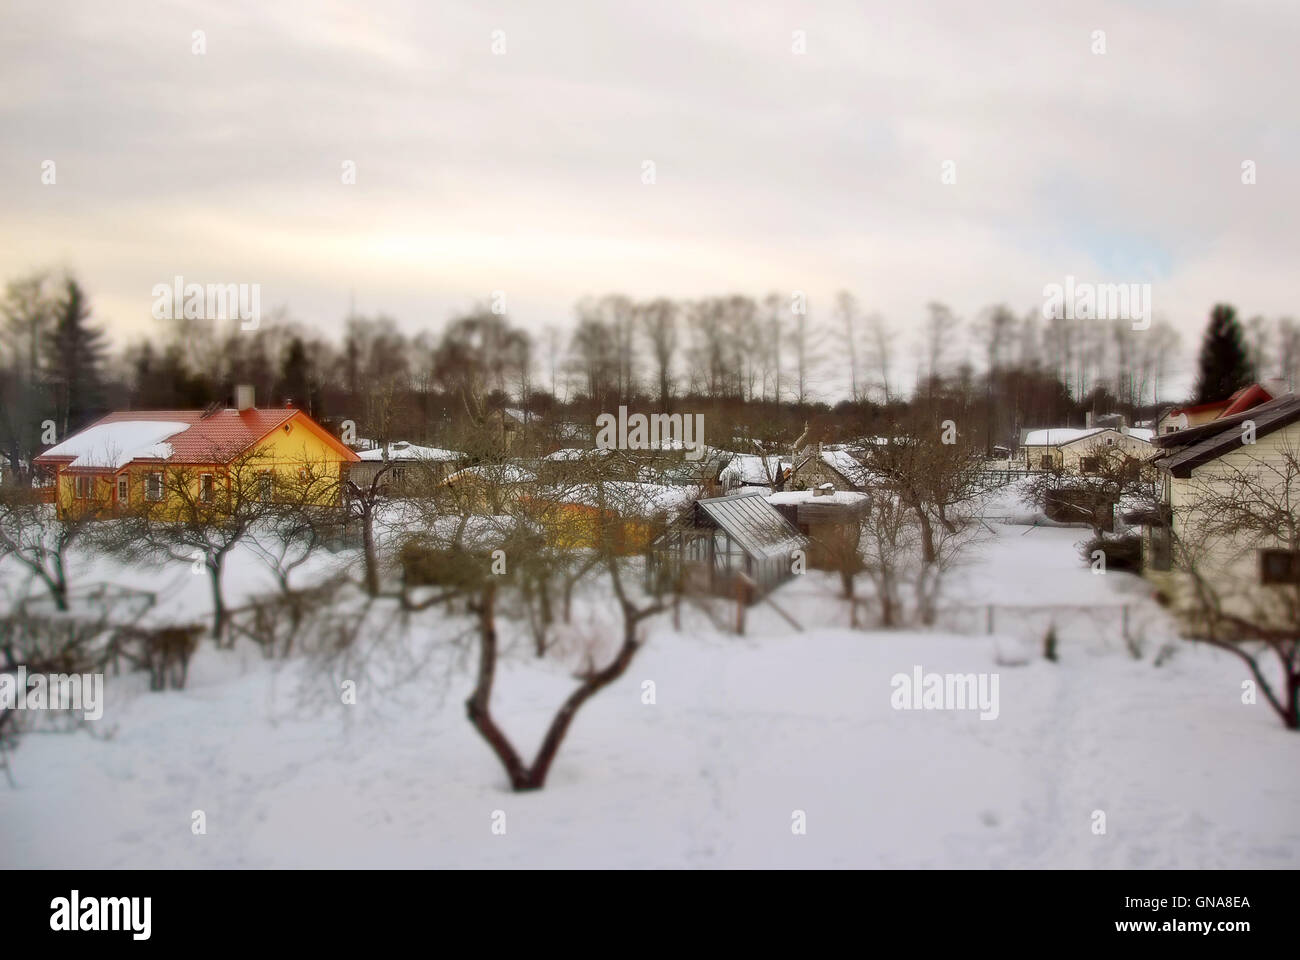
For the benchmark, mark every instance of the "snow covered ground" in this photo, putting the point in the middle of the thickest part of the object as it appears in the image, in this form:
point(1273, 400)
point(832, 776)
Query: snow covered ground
point(744, 732)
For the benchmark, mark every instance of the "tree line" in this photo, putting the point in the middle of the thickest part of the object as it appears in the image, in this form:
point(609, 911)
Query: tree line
point(759, 367)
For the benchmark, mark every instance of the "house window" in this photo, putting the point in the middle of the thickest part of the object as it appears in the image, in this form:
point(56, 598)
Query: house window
point(1088, 464)
point(1279, 566)
point(264, 486)
point(85, 487)
point(153, 487)
point(123, 488)
point(205, 487)
point(1046, 462)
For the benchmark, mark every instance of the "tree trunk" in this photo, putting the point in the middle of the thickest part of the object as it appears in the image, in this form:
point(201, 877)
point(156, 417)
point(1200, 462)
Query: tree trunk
point(592, 684)
point(568, 599)
point(478, 706)
point(58, 588)
point(846, 583)
point(218, 601)
point(887, 592)
point(368, 543)
point(928, 552)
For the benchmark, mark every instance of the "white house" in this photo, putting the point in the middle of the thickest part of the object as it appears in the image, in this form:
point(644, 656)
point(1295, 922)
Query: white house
point(1075, 450)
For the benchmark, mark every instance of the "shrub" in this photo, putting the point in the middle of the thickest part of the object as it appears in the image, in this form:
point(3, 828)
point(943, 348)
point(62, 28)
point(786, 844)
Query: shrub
point(1121, 553)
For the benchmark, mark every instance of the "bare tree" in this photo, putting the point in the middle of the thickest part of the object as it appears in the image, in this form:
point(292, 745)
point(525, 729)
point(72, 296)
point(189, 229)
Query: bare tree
point(1088, 491)
point(934, 471)
point(200, 516)
point(1238, 525)
point(28, 310)
point(774, 307)
point(881, 339)
point(804, 344)
point(888, 541)
point(594, 353)
point(38, 539)
point(659, 320)
point(483, 559)
point(1288, 351)
point(846, 316)
point(940, 325)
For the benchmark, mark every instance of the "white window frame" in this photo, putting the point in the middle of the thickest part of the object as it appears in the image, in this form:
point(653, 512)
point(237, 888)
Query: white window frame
point(211, 484)
point(148, 487)
point(123, 495)
point(89, 486)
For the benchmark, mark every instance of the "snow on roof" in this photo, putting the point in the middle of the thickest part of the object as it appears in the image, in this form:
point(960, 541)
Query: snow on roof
point(401, 450)
point(114, 445)
point(847, 465)
point(199, 436)
point(497, 473)
point(626, 496)
point(567, 453)
point(842, 497)
point(750, 469)
point(1060, 436)
point(755, 524)
point(1057, 436)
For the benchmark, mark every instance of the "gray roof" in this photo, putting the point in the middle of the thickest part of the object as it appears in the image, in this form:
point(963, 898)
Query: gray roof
point(755, 524)
point(1198, 445)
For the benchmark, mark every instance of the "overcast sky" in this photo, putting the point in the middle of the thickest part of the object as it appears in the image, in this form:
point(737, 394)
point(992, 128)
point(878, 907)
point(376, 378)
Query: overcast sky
point(522, 171)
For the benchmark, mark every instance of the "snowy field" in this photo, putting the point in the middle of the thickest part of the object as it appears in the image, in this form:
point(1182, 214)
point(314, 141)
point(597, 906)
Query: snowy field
point(744, 732)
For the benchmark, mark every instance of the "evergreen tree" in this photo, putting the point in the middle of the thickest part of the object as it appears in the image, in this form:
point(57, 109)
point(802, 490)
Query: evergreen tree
point(74, 356)
point(1224, 365)
point(294, 375)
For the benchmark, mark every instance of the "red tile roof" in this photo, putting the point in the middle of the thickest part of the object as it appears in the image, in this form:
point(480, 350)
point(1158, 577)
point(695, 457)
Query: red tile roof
point(216, 438)
point(1201, 407)
point(1241, 400)
point(1244, 400)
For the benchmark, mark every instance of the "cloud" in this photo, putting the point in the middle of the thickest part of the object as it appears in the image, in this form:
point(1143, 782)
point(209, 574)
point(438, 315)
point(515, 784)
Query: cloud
point(522, 172)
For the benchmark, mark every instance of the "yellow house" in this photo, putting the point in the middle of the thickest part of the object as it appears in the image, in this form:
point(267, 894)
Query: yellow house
point(488, 488)
point(623, 514)
point(174, 458)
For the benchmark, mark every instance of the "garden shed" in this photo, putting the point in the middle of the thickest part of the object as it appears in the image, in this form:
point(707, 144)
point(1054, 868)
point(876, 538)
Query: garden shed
point(726, 546)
